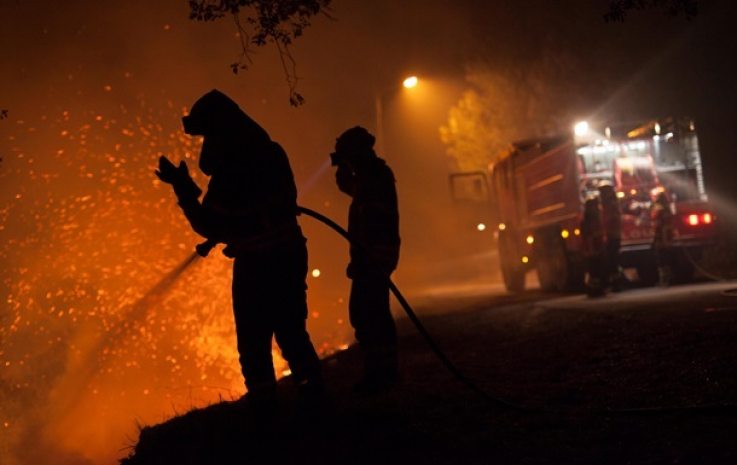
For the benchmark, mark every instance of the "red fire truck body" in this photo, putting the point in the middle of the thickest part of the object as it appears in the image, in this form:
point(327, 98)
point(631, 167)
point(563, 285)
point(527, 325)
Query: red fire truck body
point(538, 188)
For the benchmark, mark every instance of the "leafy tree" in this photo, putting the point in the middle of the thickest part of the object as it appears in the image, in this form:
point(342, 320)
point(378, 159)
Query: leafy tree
point(505, 104)
point(618, 9)
point(260, 22)
point(539, 85)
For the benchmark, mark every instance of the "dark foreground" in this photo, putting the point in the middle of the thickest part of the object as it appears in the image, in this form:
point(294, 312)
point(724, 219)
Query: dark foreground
point(642, 377)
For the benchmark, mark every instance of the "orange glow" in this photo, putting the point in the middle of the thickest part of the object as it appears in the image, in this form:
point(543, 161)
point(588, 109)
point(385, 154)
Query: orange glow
point(86, 234)
point(693, 220)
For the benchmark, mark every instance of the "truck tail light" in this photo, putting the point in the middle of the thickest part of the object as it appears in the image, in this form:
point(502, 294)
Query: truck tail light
point(695, 220)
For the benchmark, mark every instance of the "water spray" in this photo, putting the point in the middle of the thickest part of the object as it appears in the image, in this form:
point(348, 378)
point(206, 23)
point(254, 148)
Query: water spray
point(203, 249)
point(72, 383)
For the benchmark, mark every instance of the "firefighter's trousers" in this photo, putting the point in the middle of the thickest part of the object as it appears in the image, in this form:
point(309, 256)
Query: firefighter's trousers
point(270, 301)
point(372, 320)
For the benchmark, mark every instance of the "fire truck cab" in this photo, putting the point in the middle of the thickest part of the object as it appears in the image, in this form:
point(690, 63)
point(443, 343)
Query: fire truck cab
point(538, 188)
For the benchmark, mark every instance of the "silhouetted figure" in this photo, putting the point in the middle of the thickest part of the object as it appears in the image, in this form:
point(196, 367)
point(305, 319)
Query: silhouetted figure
point(251, 207)
point(611, 213)
point(662, 220)
point(373, 224)
point(592, 235)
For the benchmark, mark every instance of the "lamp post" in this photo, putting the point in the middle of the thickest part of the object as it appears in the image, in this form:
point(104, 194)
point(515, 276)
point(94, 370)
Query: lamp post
point(408, 84)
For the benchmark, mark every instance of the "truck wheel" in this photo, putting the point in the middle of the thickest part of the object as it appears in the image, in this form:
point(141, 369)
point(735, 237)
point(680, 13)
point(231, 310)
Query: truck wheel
point(512, 271)
point(647, 272)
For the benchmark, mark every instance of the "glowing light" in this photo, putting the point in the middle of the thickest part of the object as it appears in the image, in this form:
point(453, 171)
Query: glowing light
point(577, 232)
point(707, 218)
point(693, 220)
point(316, 273)
point(410, 82)
point(564, 234)
point(530, 239)
point(633, 191)
point(620, 195)
point(502, 226)
point(525, 259)
point(581, 128)
point(481, 226)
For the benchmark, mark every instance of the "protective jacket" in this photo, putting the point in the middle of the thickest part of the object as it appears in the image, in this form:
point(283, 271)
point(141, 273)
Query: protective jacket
point(373, 218)
point(251, 200)
point(592, 230)
point(662, 219)
point(611, 214)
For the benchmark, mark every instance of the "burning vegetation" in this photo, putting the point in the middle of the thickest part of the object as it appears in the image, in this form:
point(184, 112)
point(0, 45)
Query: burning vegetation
point(109, 320)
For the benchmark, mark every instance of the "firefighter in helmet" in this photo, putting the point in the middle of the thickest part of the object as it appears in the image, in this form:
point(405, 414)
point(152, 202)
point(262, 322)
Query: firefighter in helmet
point(592, 235)
point(250, 206)
point(611, 215)
point(662, 220)
point(373, 226)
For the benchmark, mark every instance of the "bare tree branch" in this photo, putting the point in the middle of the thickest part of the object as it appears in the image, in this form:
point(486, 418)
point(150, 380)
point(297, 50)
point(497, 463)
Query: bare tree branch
point(272, 21)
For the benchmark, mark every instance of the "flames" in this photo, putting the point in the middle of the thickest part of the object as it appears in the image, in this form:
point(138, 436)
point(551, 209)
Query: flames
point(87, 349)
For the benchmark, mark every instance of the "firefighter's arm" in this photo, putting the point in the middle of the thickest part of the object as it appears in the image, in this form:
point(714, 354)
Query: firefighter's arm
point(178, 176)
point(204, 223)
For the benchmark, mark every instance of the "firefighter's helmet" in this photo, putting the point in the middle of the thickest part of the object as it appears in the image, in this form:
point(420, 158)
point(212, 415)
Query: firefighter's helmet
point(356, 138)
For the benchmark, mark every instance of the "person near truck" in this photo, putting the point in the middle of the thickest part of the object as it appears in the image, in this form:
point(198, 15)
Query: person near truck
point(592, 235)
point(611, 214)
point(662, 220)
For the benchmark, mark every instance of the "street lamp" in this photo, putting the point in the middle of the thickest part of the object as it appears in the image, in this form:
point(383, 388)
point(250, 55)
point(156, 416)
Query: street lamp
point(407, 84)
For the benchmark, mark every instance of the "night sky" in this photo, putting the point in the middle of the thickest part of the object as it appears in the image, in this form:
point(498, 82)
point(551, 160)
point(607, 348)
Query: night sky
point(95, 92)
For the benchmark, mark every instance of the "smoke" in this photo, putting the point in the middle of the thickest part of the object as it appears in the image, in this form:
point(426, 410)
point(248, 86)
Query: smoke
point(95, 92)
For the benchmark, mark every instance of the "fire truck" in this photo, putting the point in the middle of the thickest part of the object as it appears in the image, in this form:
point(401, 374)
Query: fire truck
point(537, 189)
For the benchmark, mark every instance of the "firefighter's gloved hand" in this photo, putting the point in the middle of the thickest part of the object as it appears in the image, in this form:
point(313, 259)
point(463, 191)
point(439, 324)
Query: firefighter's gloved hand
point(178, 176)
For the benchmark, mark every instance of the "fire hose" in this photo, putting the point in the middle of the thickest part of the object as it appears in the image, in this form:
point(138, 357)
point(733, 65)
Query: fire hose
point(411, 314)
point(204, 249)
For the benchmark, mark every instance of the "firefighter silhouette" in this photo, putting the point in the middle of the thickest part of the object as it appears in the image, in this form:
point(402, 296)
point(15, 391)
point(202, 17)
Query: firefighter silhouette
point(373, 225)
point(611, 213)
point(662, 220)
point(592, 235)
point(250, 206)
